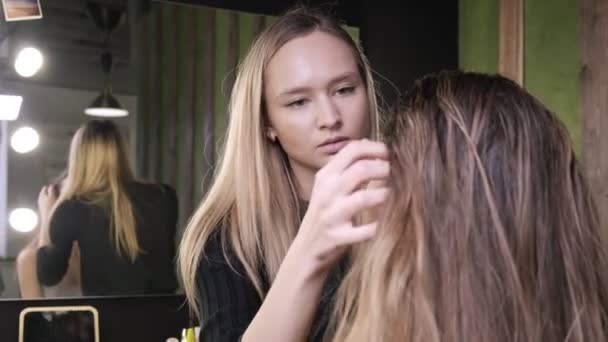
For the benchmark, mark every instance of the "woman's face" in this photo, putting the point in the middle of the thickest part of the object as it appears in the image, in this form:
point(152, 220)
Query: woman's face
point(316, 99)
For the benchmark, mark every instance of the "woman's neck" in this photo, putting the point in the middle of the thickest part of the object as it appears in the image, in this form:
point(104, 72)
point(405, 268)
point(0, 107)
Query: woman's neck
point(304, 179)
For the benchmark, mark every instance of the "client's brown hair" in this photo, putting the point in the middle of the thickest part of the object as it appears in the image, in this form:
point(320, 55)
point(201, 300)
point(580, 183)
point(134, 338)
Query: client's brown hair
point(490, 232)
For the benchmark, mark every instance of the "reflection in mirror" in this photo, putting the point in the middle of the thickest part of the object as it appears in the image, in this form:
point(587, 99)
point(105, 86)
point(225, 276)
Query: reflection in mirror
point(56, 67)
point(168, 66)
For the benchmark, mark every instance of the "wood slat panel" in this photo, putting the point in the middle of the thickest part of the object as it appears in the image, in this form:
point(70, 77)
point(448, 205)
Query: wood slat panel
point(184, 111)
point(593, 43)
point(208, 94)
point(222, 39)
point(143, 107)
point(511, 40)
point(189, 71)
point(259, 23)
point(197, 96)
point(155, 89)
point(169, 94)
point(188, 174)
point(246, 31)
point(232, 54)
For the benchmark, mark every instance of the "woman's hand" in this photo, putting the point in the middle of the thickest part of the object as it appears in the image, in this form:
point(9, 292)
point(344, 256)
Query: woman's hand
point(339, 194)
point(46, 200)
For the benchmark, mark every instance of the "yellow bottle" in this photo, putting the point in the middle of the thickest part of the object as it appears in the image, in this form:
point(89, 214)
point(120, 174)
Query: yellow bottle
point(188, 335)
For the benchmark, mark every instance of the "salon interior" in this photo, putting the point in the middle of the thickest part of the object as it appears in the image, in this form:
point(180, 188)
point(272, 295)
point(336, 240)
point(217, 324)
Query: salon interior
point(163, 70)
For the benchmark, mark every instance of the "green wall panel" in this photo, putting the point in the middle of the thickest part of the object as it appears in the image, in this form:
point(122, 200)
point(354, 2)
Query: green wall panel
point(478, 32)
point(551, 60)
point(552, 63)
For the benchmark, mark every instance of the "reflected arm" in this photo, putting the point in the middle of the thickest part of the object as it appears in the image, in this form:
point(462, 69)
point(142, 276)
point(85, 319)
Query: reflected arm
point(55, 250)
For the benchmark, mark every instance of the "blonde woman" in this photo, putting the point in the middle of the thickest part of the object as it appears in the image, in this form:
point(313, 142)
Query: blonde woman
point(125, 229)
point(490, 232)
point(259, 257)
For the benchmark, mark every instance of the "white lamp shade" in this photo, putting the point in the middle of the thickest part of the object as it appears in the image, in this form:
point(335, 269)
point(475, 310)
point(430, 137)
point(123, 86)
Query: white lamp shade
point(106, 105)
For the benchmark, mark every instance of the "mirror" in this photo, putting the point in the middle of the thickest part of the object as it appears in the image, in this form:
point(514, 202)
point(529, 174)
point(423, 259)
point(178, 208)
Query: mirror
point(169, 65)
point(54, 63)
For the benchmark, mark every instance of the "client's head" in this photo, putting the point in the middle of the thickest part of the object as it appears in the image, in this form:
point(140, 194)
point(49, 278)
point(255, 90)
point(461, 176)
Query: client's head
point(490, 232)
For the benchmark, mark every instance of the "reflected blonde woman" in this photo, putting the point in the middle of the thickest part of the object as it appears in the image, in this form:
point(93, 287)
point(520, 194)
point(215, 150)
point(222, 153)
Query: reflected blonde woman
point(125, 228)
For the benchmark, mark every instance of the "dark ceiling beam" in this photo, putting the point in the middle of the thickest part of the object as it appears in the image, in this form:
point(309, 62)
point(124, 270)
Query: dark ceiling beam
point(71, 20)
point(77, 76)
point(62, 13)
point(76, 4)
point(54, 47)
point(50, 8)
point(347, 10)
point(60, 33)
point(75, 41)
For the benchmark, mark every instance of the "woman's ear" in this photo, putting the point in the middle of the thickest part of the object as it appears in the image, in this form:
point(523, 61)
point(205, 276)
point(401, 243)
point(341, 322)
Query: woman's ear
point(271, 134)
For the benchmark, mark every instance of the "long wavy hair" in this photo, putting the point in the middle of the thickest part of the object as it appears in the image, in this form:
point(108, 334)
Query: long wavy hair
point(253, 200)
point(98, 171)
point(490, 233)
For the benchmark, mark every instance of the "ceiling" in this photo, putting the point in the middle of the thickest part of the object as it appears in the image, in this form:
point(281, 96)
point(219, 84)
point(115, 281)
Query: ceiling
point(71, 45)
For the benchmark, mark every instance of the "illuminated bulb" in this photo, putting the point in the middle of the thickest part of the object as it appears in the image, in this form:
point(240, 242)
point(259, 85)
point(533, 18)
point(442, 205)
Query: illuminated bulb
point(28, 62)
point(25, 140)
point(23, 220)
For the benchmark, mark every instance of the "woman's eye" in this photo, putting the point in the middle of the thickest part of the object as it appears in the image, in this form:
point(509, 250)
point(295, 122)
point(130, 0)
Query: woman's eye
point(345, 90)
point(296, 103)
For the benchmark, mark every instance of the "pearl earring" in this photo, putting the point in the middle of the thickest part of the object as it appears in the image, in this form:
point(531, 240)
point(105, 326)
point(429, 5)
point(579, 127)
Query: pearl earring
point(272, 136)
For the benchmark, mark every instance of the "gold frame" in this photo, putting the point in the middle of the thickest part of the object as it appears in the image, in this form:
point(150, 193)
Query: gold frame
point(59, 308)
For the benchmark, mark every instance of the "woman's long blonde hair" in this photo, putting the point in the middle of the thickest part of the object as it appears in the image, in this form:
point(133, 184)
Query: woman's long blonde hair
point(491, 232)
point(253, 200)
point(98, 171)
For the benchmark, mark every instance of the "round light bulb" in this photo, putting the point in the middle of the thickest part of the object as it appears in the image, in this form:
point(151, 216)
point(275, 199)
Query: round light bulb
point(25, 140)
point(23, 220)
point(28, 62)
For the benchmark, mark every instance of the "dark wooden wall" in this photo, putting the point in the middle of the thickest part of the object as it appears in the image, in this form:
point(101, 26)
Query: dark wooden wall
point(593, 42)
point(187, 57)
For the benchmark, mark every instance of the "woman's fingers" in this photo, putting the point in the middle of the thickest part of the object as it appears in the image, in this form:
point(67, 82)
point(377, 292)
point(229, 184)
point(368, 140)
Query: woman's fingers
point(338, 239)
point(339, 194)
point(362, 172)
point(42, 194)
point(356, 176)
point(355, 150)
point(345, 208)
point(347, 235)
